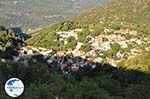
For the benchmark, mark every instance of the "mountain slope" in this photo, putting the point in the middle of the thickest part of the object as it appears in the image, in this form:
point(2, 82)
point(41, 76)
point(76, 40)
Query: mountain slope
point(108, 57)
point(115, 31)
point(116, 15)
point(132, 11)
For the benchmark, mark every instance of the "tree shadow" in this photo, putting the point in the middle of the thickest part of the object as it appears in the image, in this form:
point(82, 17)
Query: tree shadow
point(18, 32)
point(115, 80)
point(15, 41)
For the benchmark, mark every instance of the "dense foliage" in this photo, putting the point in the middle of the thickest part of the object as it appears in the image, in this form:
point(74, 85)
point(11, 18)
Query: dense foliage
point(9, 42)
point(103, 82)
point(130, 80)
point(140, 62)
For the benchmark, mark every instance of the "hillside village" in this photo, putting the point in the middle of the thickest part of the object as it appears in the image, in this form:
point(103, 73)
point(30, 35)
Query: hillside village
point(104, 53)
point(100, 46)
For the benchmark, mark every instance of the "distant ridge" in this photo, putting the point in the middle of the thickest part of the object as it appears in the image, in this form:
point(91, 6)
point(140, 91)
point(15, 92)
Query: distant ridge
point(33, 14)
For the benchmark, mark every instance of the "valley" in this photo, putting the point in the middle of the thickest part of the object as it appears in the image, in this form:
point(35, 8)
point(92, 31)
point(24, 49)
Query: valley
point(34, 14)
point(101, 53)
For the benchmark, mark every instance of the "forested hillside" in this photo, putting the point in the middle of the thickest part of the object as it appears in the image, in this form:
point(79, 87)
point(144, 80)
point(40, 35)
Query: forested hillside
point(102, 54)
point(117, 29)
point(116, 15)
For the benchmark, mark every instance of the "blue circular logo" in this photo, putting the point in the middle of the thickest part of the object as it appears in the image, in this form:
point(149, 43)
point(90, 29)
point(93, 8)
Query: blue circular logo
point(14, 87)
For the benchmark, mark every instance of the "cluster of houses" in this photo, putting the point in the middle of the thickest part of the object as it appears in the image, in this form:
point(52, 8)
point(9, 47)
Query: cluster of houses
point(63, 35)
point(73, 59)
point(68, 62)
point(103, 43)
